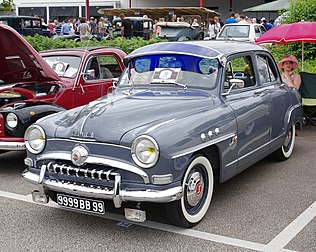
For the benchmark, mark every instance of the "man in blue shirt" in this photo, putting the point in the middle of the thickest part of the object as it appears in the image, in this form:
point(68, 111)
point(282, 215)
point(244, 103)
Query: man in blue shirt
point(65, 28)
point(231, 19)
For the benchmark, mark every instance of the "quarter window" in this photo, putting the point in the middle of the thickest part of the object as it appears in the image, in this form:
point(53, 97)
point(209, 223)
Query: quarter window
point(264, 69)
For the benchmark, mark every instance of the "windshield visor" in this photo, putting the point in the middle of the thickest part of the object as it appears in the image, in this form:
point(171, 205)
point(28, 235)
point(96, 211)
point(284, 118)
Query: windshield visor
point(190, 71)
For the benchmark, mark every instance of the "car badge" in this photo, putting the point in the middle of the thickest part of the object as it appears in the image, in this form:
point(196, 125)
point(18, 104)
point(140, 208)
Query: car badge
point(79, 155)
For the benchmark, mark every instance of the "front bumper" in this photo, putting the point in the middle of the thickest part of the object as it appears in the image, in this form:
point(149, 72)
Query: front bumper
point(116, 194)
point(13, 144)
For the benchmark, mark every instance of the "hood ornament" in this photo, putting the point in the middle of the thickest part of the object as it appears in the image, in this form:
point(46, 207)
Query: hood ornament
point(79, 155)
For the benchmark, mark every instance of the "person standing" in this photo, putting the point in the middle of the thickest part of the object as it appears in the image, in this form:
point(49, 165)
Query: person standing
point(83, 29)
point(231, 19)
point(65, 29)
point(93, 26)
point(126, 28)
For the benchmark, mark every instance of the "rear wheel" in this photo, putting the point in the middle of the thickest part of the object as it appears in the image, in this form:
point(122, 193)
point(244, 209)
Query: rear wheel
point(286, 150)
point(197, 184)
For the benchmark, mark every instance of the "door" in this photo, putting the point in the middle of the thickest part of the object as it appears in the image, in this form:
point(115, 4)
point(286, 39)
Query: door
point(251, 105)
point(96, 79)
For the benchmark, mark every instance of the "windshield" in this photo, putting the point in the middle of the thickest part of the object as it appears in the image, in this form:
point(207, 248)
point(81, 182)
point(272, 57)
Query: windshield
point(182, 70)
point(65, 66)
point(235, 31)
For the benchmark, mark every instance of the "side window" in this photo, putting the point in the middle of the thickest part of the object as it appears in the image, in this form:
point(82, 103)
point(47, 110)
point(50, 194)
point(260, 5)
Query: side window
point(240, 68)
point(266, 75)
point(92, 71)
point(263, 30)
point(257, 31)
point(103, 67)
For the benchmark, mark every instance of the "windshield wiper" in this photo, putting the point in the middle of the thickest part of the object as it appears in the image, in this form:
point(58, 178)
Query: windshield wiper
point(169, 82)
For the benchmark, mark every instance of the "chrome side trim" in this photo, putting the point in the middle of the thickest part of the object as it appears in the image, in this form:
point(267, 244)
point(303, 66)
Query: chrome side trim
point(204, 145)
point(81, 140)
point(291, 111)
point(97, 161)
point(117, 195)
point(12, 146)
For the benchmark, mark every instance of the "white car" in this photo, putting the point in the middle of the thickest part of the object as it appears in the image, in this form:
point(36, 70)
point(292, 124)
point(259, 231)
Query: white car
point(241, 31)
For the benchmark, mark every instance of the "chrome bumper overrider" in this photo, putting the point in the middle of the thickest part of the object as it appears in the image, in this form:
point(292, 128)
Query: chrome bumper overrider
point(116, 194)
point(12, 146)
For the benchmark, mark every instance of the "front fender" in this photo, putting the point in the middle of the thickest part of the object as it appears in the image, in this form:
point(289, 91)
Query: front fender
point(28, 114)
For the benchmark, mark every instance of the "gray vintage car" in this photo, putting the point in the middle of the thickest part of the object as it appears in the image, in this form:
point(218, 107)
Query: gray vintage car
point(183, 116)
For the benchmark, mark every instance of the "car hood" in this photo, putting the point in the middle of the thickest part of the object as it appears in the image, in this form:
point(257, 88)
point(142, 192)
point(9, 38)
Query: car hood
point(109, 118)
point(19, 60)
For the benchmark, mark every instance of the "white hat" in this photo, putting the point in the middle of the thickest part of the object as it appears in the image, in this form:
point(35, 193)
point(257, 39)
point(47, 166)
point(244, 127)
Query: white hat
point(263, 19)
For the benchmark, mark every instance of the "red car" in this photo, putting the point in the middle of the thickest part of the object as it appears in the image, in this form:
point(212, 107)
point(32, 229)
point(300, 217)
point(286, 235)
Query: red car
point(32, 86)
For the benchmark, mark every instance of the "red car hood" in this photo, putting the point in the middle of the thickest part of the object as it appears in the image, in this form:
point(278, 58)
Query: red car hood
point(19, 61)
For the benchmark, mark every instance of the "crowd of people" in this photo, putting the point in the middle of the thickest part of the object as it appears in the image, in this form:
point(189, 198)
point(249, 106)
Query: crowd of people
point(82, 26)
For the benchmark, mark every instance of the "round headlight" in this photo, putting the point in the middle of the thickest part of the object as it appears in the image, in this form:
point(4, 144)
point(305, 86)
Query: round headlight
point(35, 139)
point(145, 151)
point(12, 120)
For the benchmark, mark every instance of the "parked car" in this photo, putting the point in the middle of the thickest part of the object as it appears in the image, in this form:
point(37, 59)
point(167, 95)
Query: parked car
point(172, 31)
point(62, 79)
point(241, 32)
point(179, 31)
point(184, 115)
point(141, 27)
point(25, 25)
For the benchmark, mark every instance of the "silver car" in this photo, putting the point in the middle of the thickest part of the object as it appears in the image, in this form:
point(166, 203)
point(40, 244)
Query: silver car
point(183, 115)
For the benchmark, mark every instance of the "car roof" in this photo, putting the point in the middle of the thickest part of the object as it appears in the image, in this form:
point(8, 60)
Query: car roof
point(16, 17)
point(134, 18)
point(200, 48)
point(239, 24)
point(81, 50)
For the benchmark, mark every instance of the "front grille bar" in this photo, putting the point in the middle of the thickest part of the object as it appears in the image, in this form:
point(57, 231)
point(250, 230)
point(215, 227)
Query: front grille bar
point(94, 174)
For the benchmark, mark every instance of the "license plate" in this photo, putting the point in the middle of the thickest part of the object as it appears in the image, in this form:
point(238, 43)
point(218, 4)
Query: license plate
point(81, 204)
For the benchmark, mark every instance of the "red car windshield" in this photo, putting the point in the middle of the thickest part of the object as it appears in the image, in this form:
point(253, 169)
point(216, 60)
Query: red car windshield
point(64, 66)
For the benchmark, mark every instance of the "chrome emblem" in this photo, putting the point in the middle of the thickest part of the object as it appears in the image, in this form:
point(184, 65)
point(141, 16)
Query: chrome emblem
point(79, 155)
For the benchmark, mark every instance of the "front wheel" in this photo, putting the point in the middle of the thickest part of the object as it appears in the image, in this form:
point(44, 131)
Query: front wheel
point(285, 151)
point(197, 184)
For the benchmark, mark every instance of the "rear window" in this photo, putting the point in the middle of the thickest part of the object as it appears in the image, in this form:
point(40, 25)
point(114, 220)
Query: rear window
point(235, 31)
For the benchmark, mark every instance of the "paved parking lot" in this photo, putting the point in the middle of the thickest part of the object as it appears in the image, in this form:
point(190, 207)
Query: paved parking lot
point(269, 207)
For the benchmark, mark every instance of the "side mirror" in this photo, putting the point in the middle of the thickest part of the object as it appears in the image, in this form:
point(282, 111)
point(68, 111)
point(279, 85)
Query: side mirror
point(235, 83)
point(89, 75)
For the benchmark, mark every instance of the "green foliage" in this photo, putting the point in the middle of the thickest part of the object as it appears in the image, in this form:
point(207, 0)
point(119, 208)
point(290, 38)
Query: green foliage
point(278, 51)
point(301, 10)
point(41, 43)
point(7, 6)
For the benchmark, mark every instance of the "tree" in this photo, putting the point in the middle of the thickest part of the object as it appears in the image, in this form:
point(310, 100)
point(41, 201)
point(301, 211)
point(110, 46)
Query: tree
point(7, 6)
point(301, 10)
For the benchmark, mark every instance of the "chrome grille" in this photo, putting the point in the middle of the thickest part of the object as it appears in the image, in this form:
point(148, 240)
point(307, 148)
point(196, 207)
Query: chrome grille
point(95, 174)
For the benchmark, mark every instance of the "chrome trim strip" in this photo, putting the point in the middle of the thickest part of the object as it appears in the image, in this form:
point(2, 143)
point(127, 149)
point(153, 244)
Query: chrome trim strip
point(158, 196)
point(291, 111)
point(12, 146)
point(88, 141)
point(204, 145)
point(97, 161)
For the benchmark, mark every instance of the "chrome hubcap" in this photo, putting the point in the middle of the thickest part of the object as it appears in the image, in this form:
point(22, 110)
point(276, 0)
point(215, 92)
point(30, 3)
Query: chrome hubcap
point(288, 138)
point(195, 188)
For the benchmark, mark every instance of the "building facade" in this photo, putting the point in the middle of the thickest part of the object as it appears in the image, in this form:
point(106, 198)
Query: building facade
point(63, 10)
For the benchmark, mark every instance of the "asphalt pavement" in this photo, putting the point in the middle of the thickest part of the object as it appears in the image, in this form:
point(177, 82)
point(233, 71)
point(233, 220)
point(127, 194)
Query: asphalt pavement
point(269, 207)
